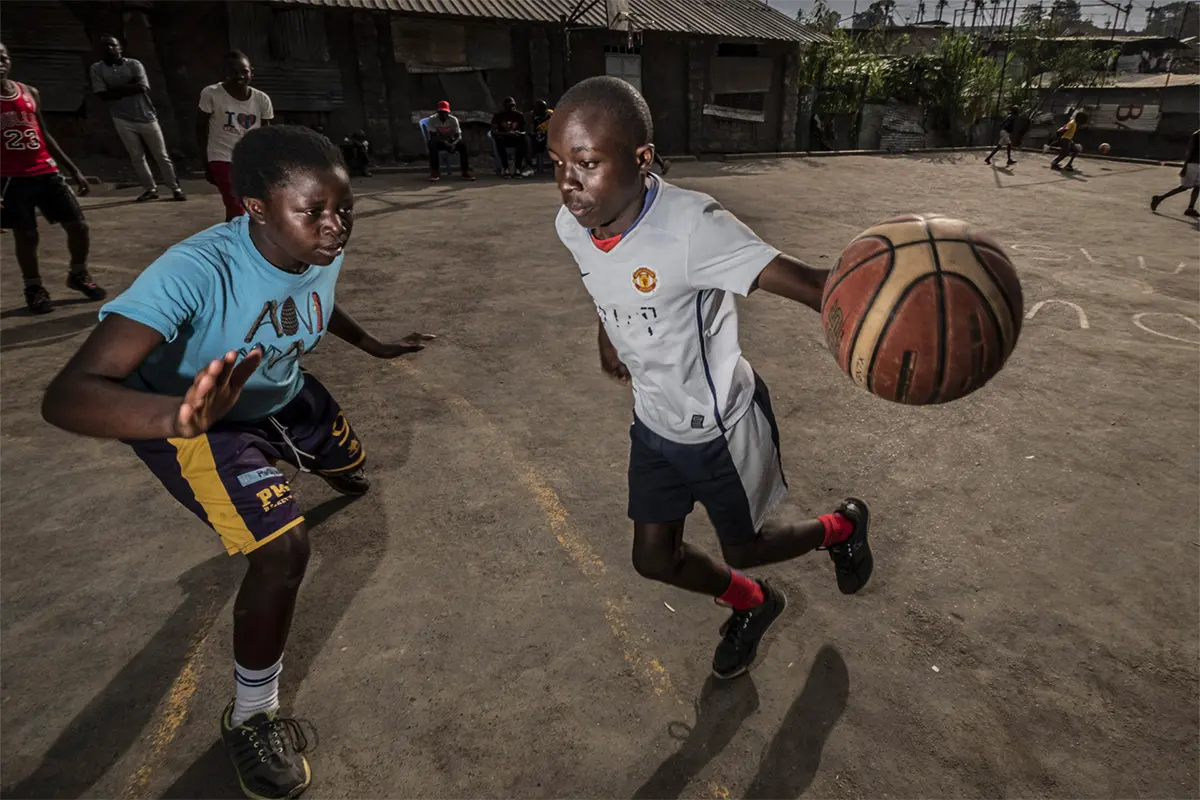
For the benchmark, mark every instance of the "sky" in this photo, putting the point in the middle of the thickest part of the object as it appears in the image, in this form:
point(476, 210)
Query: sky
point(1093, 9)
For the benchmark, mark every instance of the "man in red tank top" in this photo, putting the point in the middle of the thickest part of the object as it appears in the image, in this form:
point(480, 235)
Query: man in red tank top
point(30, 181)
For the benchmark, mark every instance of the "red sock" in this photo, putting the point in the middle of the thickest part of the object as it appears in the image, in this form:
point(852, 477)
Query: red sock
point(743, 593)
point(837, 528)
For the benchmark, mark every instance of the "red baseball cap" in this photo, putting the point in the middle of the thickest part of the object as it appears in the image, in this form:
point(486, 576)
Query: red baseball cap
point(443, 105)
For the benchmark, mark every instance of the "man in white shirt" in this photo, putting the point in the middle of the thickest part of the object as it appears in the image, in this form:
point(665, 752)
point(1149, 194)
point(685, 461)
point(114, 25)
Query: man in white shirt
point(444, 134)
point(122, 83)
point(663, 265)
point(227, 111)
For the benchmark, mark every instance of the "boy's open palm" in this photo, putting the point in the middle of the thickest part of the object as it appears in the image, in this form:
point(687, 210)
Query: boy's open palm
point(213, 392)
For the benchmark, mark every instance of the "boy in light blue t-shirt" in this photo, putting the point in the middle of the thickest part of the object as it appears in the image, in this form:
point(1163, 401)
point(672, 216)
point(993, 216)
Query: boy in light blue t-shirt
point(197, 367)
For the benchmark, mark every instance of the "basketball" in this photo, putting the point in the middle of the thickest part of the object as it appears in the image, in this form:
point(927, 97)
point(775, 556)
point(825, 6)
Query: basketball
point(922, 309)
point(1104, 148)
point(1077, 147)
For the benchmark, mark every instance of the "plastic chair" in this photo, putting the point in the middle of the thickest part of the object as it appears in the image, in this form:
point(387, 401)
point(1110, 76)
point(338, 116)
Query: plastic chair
point(443, 155)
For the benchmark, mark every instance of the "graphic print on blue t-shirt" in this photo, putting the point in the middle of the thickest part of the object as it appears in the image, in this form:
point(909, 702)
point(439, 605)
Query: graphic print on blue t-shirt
point(213, 293)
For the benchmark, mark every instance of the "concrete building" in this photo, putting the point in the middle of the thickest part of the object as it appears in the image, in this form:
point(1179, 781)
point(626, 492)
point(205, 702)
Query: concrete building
point(720, 75)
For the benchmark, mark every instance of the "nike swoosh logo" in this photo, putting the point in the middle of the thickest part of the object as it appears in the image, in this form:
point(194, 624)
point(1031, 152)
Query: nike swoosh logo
point(584, 274)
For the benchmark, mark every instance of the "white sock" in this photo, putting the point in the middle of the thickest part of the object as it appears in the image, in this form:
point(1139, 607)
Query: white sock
point(257, 690)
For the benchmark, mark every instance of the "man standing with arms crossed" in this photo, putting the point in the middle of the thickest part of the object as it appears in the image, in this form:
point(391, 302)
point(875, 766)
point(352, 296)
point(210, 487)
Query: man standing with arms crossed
point(122, 84)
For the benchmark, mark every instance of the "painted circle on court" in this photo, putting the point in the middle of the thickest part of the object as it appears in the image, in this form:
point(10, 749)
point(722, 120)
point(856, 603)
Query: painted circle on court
point(1144, 322)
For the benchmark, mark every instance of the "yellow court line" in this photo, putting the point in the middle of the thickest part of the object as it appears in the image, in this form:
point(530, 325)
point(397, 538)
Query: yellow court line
point(572, 541)
point(174, 712)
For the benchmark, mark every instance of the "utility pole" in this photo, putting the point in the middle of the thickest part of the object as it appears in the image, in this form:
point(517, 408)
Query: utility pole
point(1004, 65)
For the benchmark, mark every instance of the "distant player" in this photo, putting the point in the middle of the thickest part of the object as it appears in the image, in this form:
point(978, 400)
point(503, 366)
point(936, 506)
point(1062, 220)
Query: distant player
point(30, 181)
point(1189, 178)
point(1066, 141)
point(228, 111)
point(1008, 130)
point(663, 265)
point(197, 367)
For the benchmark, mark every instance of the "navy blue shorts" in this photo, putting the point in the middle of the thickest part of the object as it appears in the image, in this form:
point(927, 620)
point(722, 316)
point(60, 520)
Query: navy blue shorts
point(229, 479)
point(737, 477)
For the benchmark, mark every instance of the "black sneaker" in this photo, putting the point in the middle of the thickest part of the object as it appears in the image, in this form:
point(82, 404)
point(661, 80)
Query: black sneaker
point(82, 282)
point(146, 196)
point(178, 195)
point(267, 753)
point(37, 299)
point(852, 559)
point(1154, 201)
point(351, 482)
point(744, 630)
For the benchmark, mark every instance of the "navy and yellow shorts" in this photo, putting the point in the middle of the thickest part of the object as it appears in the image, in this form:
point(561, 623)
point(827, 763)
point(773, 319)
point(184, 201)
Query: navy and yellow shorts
point(228, 476)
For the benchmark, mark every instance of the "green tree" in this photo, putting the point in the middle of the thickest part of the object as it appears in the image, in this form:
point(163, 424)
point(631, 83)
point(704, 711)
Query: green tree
point(1031, 15)
point(821, 17)
point(1180, 19)
point(1066, 14)
point(878, 15)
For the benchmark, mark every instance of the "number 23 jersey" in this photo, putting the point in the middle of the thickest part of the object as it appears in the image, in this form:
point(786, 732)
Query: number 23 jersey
point(24, 149)
point(665, 296)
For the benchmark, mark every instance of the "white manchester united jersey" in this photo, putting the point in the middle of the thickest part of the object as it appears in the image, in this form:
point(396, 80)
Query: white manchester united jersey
point(665, 296)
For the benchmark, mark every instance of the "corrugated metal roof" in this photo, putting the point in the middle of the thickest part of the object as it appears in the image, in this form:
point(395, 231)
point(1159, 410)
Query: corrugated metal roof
point(1135, 80)
point(1155, 80)
point(735, 19)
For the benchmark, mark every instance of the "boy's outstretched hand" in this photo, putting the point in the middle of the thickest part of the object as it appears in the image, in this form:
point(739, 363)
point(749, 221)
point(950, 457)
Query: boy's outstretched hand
point(413, 343)
point(213, 392)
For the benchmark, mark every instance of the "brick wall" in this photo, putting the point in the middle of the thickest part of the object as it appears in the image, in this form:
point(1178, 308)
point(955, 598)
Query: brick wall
point(902, 128)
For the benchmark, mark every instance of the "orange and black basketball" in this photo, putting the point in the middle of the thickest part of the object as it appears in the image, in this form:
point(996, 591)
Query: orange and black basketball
point(922, 309)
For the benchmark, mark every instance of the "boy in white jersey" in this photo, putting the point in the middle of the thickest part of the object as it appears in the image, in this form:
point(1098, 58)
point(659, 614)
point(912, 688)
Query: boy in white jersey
point(662, 265)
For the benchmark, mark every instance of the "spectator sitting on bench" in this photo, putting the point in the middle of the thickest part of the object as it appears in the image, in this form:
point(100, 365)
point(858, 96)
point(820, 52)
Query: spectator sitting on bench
point(357, 152)
point(445, 134)
point(508, 130)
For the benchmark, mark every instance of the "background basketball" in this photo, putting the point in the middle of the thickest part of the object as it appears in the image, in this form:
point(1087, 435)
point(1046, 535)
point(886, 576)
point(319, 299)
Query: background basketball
point(1104, 148)
point(922, 309)
point(1077, 147)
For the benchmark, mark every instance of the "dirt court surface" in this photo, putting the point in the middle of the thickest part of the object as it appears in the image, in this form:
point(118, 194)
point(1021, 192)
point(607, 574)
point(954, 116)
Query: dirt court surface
point(473, 627)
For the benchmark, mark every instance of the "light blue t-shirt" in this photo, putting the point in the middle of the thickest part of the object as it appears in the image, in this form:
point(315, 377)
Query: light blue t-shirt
point(214, 292)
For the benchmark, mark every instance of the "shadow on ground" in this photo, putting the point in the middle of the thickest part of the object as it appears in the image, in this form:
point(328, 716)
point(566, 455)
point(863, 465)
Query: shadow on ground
point(113, 722)
point(791, 761)
point(110, 724)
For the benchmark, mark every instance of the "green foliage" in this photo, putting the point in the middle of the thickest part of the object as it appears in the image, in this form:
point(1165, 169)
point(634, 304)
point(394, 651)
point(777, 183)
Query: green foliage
point(954, 83)
point(821, 17)
point(1180, 19)
point(1052, 64)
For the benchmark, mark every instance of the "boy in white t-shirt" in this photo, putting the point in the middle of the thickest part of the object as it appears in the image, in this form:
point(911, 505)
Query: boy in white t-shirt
point(228, 110)
point(663, 265)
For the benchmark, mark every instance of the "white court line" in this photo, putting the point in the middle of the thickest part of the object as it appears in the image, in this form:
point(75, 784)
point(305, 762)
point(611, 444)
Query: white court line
point(1137, 320)
point(1083, 320)
point(1176, 271)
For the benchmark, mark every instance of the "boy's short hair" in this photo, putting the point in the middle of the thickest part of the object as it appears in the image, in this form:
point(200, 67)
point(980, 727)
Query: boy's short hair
point(266, 157)
point(617, 99)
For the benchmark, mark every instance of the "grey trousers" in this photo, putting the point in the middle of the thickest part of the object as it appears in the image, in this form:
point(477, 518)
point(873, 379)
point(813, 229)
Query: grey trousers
point(132, 135)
